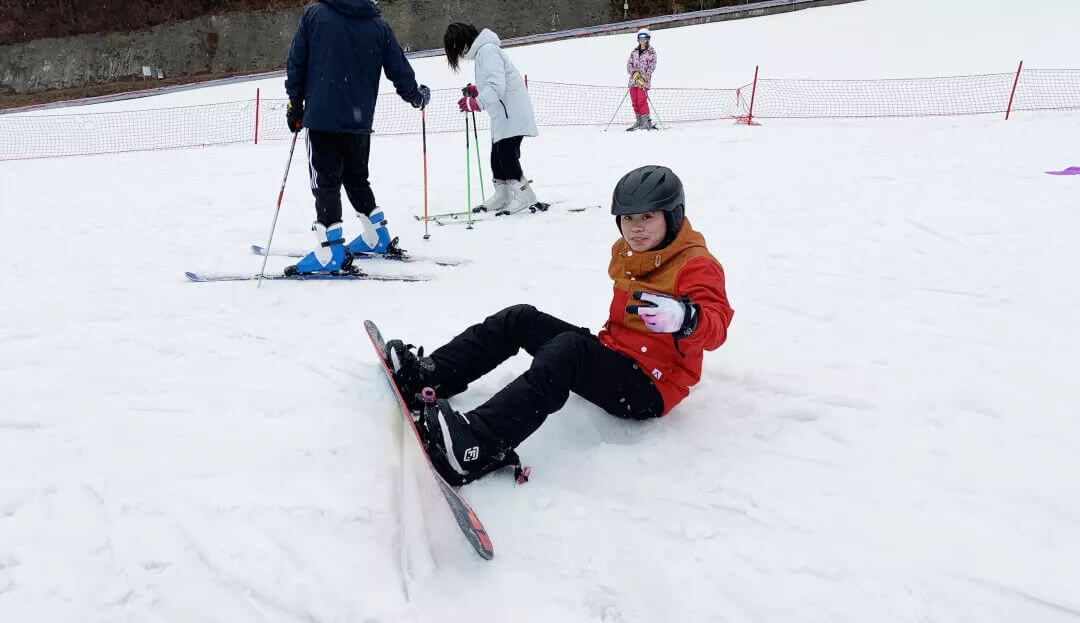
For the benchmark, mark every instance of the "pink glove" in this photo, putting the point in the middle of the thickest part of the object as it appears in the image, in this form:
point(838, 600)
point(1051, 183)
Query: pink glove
point(470, 90)
point(467, 104)
point(663, 314)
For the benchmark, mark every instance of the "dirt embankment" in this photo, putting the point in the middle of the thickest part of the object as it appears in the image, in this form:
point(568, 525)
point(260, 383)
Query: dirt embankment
point(27, 20)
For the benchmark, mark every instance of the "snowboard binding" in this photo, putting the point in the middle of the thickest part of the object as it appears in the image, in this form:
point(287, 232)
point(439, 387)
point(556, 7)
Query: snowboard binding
point(442, 428)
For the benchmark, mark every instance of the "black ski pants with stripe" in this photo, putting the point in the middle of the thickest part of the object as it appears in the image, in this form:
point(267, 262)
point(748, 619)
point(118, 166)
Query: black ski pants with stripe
point(337, 159)
point(565, 359)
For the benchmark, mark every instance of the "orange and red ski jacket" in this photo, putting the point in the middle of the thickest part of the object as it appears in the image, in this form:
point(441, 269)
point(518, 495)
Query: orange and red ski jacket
point(683, 268)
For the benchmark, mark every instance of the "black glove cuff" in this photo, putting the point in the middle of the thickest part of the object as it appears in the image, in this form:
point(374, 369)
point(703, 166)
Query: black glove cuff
point(690, 319)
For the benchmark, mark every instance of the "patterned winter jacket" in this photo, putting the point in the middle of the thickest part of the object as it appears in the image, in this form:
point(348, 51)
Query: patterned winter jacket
point(645, 62)
point(683, 268)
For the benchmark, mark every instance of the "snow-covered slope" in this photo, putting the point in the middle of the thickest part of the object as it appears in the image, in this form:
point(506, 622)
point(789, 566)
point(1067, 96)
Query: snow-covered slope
point(888, 435)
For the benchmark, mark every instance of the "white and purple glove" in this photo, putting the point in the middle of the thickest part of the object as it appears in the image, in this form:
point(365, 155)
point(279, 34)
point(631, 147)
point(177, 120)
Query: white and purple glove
point(663, 314)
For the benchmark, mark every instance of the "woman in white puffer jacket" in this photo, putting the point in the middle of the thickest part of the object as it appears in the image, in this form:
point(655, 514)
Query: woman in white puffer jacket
point(500, 91)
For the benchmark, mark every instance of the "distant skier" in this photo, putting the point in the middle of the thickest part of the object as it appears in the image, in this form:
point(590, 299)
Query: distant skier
point(669, 306)
point(338, 54)
point(640, 67)
point(499, 90)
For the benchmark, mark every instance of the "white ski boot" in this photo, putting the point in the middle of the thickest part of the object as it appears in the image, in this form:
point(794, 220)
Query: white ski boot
point(521, 197)
point(497, 202)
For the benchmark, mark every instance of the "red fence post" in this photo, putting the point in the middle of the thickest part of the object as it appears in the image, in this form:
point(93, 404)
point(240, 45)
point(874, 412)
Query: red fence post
point(749, 118)
point(1013, 94)
point(753, 94)
point(256, 116)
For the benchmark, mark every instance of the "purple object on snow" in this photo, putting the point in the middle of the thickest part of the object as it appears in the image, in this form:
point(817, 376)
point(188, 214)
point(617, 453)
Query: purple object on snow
point(1069, 171)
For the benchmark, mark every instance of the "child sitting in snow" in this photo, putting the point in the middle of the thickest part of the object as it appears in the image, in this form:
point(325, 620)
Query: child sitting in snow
point(669, 306)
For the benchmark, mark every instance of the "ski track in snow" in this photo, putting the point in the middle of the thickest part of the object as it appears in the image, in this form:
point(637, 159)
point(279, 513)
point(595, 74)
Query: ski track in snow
point(888, 434)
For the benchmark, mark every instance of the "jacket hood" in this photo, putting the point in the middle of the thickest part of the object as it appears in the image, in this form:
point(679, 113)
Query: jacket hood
point(354, 8)
point(485, 37)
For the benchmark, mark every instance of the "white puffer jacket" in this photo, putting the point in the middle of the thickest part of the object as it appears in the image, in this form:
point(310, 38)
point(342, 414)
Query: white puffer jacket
point(502, 91)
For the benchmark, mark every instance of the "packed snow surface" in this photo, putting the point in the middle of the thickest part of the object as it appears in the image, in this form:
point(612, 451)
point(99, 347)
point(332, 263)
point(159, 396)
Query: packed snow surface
point(890, 433)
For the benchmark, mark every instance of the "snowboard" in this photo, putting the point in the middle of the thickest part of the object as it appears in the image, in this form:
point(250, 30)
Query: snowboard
point(466, 518)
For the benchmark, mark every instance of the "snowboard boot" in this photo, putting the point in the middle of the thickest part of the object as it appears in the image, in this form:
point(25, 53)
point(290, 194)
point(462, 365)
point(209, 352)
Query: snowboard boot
point(461, 449)
point(375, 237)
point(497, 202)
point(521, 197)
point(412, 371)
point(328, 256)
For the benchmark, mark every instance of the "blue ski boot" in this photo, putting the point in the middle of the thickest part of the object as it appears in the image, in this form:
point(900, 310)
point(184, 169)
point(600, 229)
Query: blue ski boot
point(375, 238)
point(328, 257)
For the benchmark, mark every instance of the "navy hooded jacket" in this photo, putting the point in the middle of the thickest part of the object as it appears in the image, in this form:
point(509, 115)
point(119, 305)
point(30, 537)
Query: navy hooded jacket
point(337, 55)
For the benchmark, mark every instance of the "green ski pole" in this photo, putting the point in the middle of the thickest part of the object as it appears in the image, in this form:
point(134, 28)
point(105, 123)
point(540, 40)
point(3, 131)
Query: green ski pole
point(468, 174)
point(479, 167)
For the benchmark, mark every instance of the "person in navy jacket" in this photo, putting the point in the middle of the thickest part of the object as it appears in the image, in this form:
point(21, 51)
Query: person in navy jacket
point(338, 54)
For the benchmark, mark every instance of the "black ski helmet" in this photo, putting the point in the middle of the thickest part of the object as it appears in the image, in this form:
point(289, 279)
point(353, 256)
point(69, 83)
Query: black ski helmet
point(648, 189)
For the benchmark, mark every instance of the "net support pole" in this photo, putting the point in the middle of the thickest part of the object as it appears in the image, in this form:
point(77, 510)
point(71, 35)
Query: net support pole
point(753, 95)
point(749, 118)
point(1016, 81)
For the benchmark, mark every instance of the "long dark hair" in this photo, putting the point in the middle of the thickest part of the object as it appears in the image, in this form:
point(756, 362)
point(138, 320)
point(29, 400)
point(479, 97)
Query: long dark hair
point(458, 37)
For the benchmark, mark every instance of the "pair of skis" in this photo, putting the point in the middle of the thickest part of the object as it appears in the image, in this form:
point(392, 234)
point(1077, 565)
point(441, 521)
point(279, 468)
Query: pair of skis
point(480, 214)
point(352, 274)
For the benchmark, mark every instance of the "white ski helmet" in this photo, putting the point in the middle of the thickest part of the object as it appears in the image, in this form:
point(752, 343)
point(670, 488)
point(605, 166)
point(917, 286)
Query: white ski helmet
point(643, 34)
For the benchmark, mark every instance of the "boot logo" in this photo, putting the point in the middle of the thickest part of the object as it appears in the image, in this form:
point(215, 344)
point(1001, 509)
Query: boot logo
point(472, 454)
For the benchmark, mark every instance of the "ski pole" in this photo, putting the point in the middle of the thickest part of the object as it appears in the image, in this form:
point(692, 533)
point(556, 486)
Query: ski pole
point(423, 133)
point(621, 102)
point(277, 210)
point(479, 167)
point(468, 174)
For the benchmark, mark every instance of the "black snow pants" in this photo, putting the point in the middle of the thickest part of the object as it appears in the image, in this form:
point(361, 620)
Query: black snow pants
point(337, 159)
point(565, 358)
point(506, 159)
